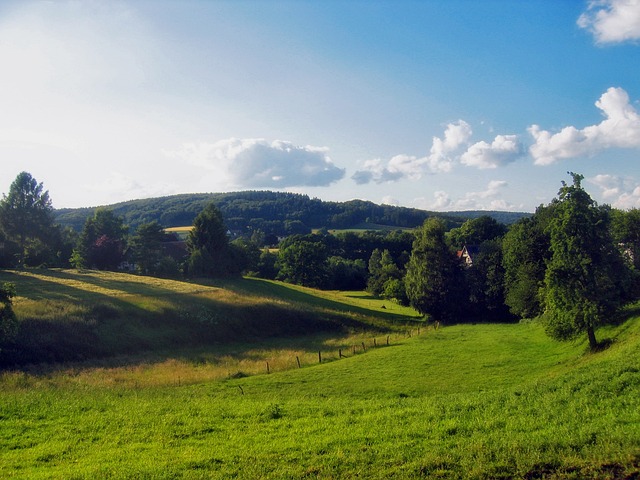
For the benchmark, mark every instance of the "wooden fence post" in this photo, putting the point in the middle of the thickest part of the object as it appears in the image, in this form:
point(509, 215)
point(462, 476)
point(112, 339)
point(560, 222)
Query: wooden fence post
point(298, 360)
point(364, 349)
point(319, 356)
point(268, 371)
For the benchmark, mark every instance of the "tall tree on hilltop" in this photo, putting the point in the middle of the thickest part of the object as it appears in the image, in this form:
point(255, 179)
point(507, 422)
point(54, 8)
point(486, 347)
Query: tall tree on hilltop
point(26, 213)
point(585, 278)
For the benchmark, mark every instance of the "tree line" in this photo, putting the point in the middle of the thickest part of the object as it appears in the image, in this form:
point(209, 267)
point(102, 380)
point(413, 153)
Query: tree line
point(277, 214)
point(573, 263)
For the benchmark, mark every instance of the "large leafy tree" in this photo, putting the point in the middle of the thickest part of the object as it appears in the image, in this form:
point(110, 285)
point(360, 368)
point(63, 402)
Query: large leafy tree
point(626, 231)
point(209, 250)
point(433, 279)
point(304, 262)
point(485, 282)
point(26, 214)
point(385, 278)
point(476, 231)
point(585, 278)
point(102, 243)
point(525, 253)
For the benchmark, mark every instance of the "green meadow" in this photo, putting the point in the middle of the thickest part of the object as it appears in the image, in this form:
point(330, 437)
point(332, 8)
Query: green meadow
point(160, 379)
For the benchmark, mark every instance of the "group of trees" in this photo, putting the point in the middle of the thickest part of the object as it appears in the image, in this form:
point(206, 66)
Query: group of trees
point(573, 262)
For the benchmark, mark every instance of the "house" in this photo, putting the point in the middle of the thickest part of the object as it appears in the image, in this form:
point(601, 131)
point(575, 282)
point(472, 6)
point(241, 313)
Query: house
point(467, 253)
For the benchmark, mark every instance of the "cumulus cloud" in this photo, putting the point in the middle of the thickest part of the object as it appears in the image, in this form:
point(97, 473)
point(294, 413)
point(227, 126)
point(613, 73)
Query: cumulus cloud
point(503, 150)
point(612, 21)
point(619, 129)
point(257, 163)
point(488, 199)
point(442, 155)
point(620, 192)
point(456, 135)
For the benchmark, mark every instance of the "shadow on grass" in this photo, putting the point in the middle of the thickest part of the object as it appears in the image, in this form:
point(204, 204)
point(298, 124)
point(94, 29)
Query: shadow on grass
point(68, 323)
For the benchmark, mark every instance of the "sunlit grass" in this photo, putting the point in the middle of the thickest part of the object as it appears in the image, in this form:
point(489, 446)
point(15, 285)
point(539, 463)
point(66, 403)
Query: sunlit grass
point(485, 401)
point(466, 401)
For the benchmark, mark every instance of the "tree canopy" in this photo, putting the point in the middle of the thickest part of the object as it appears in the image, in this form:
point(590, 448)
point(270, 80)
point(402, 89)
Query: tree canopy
point(433, 279)
point(584, 279)
point(26, 214)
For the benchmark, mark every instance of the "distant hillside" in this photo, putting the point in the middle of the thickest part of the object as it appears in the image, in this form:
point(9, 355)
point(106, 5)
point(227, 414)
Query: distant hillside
point(272, 212)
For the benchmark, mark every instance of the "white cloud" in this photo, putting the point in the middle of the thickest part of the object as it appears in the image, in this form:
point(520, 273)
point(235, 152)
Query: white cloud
point(389, 200)
point(503, 150)
point(488, 199)
point(257, 163)
point(620, 192)
point(619, 129)
point(612, 21)
point(116, 185)
point(442, 155)
point(456, 135)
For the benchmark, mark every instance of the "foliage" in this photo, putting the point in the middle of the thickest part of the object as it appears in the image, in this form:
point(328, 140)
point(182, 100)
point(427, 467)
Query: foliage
point(268, 211)
point(434, 278)
point(585, 278)
point(266, 266)
point(102, 242)
point(208, 244)
point(26, 215)
point(8, 319)
point(303, 262)
point(476, 231)
point(526, 248)
point(346, 274)
point(145, 248)
point(385, 278)
point(626, 233)
point(485, 283)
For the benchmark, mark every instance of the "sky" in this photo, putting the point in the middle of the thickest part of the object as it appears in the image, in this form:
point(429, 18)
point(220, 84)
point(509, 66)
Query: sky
point(441, 105)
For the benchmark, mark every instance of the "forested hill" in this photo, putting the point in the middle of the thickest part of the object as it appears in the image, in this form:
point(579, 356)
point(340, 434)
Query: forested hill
point(272, 212)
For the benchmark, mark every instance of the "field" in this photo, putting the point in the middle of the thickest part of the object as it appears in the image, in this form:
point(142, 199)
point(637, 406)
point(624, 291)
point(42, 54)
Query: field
point(464, 401)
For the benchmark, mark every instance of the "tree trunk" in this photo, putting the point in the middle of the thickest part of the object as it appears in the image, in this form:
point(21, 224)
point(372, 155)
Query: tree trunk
point(593, 343)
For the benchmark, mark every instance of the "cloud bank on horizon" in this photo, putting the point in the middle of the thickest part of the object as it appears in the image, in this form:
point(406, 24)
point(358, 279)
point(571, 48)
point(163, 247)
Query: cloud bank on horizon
point(104, 97)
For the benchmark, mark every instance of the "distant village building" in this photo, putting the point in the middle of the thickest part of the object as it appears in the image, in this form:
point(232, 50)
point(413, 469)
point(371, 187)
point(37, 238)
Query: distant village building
point(467, 253)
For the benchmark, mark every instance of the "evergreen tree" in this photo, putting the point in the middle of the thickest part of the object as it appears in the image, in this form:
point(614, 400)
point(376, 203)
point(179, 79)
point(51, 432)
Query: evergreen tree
point(208, 244)
point(146, 248)
point(26, 214)
point(433, 280)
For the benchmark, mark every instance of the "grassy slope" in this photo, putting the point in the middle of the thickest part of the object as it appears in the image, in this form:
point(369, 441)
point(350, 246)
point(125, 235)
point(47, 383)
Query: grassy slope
point(484, 401)
point(71, 316)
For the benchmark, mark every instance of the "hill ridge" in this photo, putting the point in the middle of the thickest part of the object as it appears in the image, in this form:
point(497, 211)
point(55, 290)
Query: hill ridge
point(278, 213)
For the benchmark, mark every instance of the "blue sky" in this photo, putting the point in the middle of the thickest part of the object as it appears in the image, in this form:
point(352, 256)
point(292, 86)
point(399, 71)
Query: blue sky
point(442, 105)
